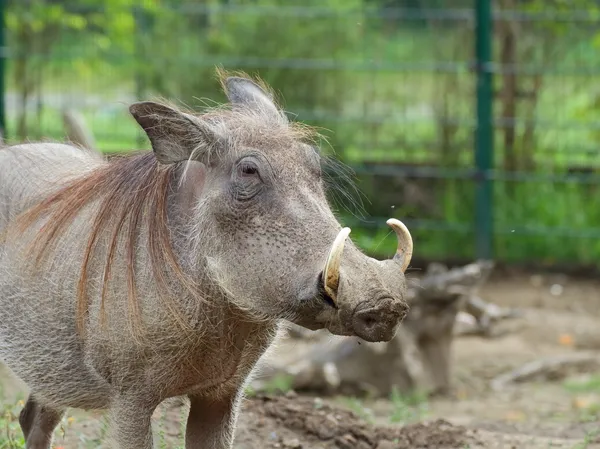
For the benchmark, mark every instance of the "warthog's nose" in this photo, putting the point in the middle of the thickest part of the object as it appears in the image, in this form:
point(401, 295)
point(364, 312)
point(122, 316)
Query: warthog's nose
point(379, 323)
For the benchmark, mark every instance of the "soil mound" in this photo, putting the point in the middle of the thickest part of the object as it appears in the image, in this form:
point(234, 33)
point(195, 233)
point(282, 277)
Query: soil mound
point(304, 423)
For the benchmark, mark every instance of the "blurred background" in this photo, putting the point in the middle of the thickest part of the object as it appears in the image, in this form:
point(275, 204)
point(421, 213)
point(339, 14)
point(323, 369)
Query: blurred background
point(475, 122)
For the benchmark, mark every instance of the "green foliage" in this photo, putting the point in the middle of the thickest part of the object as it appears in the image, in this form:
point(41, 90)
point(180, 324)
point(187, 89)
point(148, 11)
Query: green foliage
point(11, 436)
point(249, 391)
point(40, 15)
point(243, 38)
point(408, 408)
point(279, 384)
point(358, 407)
point(378, 86)
point(588, 440)
point(590, 384)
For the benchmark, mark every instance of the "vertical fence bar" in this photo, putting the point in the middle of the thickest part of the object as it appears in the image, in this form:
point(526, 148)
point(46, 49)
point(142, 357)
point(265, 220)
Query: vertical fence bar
point(141, 27)
point(484, 134)
point(3, 57)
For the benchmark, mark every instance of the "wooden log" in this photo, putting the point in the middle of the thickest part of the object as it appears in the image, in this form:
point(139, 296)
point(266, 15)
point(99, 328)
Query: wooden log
point(77, 131)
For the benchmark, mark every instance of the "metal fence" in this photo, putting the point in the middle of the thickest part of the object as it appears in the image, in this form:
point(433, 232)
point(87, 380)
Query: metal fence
point(477, 125)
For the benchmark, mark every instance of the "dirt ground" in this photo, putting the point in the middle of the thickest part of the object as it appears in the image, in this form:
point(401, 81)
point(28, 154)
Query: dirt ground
point(561, 315)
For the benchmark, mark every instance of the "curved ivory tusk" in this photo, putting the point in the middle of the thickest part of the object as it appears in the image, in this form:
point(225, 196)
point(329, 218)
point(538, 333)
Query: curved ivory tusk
point(331, 273)
point(405, 243)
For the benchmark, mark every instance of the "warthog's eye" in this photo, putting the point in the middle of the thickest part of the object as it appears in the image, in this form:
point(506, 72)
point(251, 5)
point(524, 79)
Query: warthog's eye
point(247, 168)
point(246, 181)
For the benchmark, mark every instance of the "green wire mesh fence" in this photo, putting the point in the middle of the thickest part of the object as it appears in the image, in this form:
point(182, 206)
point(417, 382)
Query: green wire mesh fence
point(477, 124)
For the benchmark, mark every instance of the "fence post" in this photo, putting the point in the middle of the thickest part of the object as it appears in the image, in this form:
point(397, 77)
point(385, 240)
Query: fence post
point(484, 133)
point(3, 58)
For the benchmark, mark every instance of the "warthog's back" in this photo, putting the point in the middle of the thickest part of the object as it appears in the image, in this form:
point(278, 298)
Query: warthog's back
point(30, 170)
point(32, 316)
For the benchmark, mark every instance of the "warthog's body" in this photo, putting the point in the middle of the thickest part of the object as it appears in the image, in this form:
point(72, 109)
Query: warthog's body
point(218, 234)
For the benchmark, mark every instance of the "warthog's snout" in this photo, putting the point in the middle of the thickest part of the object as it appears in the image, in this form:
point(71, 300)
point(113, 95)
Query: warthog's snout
point(379, 323)
point(363, 296)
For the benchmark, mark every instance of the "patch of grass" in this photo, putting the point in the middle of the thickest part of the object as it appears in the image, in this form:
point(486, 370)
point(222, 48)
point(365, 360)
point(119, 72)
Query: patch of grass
point(590, 436)
point(249, 392)
point(408, 408)
point(358, 407)
point(279, 384)
point(11, 436)
point(590, 413)
point(590, 384)
point(588, 404)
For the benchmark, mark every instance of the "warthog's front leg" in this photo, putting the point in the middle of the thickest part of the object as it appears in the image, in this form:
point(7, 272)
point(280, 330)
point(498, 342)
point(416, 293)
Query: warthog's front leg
point(211, 422)
point(38, 423)
point(130, 423)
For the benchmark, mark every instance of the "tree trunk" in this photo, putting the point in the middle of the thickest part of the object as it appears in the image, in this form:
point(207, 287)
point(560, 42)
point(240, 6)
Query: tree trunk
point(508, 59)
point(22, 77)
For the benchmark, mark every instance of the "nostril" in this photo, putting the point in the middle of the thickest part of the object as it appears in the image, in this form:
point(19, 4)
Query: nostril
point(369, 321)
point(377, 324)
point(404, 313)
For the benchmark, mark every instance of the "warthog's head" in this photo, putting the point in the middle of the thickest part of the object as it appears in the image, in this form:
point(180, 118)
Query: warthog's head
point(259, 222)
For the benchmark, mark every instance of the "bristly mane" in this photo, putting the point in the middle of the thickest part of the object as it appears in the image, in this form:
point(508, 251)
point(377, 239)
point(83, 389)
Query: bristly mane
point(132, 192)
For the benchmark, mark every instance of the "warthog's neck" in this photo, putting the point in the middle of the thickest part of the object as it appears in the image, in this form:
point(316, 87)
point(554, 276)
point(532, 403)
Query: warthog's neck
point(224, 359)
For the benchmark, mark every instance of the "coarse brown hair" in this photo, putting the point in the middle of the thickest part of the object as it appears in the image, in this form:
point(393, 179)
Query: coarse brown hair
point(132, 191)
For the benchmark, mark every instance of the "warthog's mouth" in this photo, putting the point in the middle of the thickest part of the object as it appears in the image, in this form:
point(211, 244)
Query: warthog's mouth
point(322, 294)
point(371, 320)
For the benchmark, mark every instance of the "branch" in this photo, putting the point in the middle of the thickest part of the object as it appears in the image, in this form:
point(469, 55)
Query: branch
point(441, 283)
point(550, 367)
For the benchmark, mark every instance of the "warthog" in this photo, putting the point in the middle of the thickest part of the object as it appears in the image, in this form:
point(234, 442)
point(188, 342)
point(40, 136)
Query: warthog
point(166, 273)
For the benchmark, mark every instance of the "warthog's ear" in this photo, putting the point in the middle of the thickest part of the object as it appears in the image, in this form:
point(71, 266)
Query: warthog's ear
point(190, 186)
point(246, 93)
point(174, 135)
